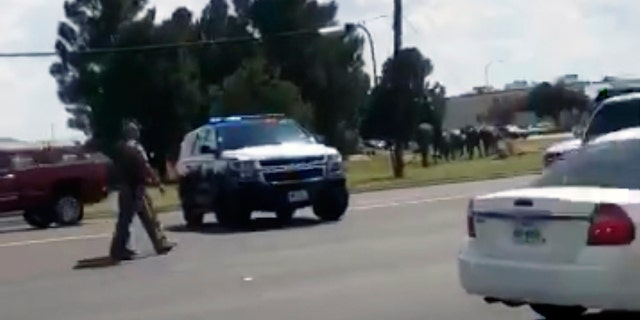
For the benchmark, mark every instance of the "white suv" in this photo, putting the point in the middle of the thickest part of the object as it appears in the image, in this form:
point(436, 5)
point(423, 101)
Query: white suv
point(236, 165)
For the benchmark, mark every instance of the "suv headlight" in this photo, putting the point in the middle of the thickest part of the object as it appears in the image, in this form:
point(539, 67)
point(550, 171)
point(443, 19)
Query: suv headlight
point(334, 158)
point(245, 168)
point(334, 163)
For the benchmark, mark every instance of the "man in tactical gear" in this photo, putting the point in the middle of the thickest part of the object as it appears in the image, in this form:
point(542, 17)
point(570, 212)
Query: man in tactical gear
point(134, 171)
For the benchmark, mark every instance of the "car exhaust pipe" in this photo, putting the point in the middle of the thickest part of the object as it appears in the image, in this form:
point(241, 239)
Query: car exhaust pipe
point(508, 303)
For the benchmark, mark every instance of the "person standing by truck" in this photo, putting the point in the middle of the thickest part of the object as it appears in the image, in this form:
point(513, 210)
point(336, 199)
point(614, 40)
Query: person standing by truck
point(134, 171)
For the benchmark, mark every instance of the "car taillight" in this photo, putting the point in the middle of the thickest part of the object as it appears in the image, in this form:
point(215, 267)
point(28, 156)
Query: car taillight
point(471, 223)
point(611, 226)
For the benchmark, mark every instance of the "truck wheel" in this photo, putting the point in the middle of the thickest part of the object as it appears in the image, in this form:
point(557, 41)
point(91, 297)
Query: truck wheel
point(285, 216)
point(331, 204)
point(68, 210)
point(38, 218)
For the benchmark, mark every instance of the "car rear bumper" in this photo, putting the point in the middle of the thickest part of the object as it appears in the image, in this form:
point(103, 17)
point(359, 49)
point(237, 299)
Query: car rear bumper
point(601, 278)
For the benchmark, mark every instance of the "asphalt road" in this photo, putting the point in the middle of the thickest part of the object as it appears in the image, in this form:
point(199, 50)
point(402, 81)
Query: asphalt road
point(392, 257)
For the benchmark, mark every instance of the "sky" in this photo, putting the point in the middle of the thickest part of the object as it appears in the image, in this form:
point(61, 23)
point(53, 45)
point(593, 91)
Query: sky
point(526, 40)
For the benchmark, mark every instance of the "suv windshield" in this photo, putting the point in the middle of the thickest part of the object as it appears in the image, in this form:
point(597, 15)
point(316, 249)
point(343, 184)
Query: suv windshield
point(614, 116)
point(612, 164)
point(244, 134)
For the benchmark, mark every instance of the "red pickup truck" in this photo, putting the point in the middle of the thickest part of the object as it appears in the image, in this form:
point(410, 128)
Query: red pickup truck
point(50, 184)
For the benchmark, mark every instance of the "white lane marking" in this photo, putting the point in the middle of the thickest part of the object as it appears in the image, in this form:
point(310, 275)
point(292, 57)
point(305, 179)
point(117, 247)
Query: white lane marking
point(409, 202)
point(356, 208)
point(51, 240)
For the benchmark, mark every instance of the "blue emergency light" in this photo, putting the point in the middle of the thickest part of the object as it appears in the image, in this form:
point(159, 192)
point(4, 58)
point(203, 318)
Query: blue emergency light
point(218, 120)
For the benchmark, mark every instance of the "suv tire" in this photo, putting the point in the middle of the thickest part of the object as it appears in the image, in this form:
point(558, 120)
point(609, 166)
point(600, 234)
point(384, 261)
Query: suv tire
point(285, 216)
point(193, 217)
point(331, 203)
point(196, 196)
point(231, 213)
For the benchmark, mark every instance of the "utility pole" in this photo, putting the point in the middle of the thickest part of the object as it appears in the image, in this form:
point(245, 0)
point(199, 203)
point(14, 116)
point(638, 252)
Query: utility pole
point(397, 26)
point(397, 155)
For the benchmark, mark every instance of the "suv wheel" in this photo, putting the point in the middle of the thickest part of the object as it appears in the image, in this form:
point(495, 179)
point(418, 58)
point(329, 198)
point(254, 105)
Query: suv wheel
point(285, 216)
point(68, 210)
point(331, 204)
point(38, 218)
point(234, 219)
point(232, 214)
point(194, 218)
point(552, 312)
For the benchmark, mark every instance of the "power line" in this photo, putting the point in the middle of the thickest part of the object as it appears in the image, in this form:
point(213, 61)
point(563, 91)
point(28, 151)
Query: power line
point(38, 54)
point(411, 25)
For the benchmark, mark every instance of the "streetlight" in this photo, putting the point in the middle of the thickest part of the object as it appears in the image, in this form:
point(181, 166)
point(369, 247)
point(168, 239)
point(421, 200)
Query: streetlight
point(350, 28)
point(486, 71)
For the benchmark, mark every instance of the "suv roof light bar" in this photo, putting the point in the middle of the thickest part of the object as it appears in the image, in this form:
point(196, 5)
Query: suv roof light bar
point(216, 120)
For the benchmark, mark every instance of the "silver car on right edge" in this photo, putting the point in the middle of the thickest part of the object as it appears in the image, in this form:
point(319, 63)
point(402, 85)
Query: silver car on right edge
point(613, 114)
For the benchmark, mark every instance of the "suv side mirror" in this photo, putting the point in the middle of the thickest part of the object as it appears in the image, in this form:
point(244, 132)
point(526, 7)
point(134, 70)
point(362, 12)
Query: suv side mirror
point(207, 150)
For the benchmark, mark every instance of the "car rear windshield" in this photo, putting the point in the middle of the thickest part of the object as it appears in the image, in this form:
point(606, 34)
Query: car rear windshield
point(244, 134)
point(614, 116)
point(613, 164)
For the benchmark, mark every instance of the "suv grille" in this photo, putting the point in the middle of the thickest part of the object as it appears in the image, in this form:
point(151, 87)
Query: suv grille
point(293, 176)
point(285, 162)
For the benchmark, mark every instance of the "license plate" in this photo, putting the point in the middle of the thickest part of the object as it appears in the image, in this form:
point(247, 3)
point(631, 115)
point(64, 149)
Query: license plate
point(298, 196)
point(527, 234)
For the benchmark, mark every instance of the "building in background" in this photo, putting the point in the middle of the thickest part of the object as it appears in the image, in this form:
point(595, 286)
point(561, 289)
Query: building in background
point(468, 109)
point(465, 109)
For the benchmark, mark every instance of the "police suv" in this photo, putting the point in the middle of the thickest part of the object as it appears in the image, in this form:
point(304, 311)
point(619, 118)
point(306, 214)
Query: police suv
point(234, 166)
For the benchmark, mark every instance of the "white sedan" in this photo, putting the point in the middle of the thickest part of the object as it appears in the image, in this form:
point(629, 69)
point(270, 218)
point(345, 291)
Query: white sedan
point(567, 243)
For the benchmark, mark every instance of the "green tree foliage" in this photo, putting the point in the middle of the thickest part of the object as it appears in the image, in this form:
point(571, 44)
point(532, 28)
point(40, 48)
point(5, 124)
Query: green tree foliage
point(216, 62)
point(547, 100)
point(314, 78)
point(434, 105)
point(160, 89)
point(403, 99)
point(251, 90)
point(328, 70)
point(89, 24)
point(398, 104)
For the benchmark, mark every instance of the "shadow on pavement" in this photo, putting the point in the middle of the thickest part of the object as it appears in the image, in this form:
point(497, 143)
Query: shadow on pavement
point(96, 263)
point(257, 225)
point(106, 262)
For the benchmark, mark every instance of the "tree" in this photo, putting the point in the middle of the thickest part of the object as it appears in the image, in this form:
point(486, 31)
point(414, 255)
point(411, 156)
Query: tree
point(397, 105)
point(158, 88)
point(251, 90)
point(432, 110)
point(328, 70)
point(435, 105)
point(89, 24)
point(547, 100)
point(217, 62)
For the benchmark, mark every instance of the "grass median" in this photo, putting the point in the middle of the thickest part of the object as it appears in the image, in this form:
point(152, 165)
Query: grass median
point(374, 173)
